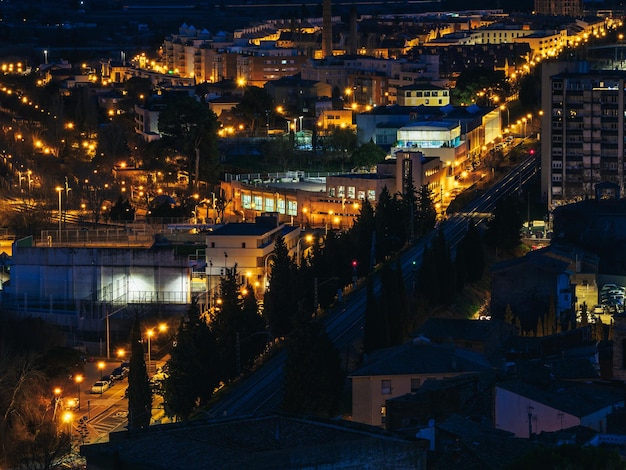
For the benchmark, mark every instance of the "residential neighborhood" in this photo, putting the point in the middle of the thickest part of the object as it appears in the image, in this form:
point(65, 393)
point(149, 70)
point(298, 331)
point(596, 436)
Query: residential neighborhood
point(303, 236)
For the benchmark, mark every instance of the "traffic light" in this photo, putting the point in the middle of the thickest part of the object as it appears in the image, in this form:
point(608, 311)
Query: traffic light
point(532, 151)
point(354, 263)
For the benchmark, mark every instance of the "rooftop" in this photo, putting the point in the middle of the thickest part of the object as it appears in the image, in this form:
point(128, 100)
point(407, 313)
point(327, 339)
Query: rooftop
point(575, 398)
point(259, 442)
point(421, 357)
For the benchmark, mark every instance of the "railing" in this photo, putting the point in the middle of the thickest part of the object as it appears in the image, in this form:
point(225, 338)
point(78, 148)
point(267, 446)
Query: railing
point(84, 236)
point(260, 178)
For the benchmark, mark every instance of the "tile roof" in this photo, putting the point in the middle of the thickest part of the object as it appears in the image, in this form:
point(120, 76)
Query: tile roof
point(422, 357)
point(575, 398)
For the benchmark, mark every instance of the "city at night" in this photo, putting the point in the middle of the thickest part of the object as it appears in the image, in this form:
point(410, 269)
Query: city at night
point(300, 235)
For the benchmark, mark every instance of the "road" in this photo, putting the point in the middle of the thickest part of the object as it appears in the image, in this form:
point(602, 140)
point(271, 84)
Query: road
point(262, 390)
point(107, 412)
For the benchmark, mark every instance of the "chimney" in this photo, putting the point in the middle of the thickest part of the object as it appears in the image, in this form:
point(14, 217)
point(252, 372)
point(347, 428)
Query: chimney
point(327, 30)
point(353, 32)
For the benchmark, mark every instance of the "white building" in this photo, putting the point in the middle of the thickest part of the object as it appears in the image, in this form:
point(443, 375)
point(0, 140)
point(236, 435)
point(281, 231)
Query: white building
point(525, 409)
point(250, 247)
point(77, 286)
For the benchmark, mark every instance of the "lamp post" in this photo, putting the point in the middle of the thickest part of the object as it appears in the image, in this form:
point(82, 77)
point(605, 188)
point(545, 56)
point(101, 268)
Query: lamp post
point(149, 333)
point(78, 379)
point(57, 398)
point(308, 239)
point(265, 270)
point(68, 416)
point(45, 56)
point(101, 368)
point(503, 108)
point(59, 190)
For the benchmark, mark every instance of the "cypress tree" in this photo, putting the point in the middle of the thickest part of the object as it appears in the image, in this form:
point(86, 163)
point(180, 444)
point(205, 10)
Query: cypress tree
point(474, 253)
point(192, 370)
point(280, 301)
point(313, 377)
point(375, 334)
point(139, 394)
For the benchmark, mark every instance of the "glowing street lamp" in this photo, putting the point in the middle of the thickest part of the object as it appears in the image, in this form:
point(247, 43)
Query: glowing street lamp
point(101, 366)
point(150, 333)
point(59, 190)
point(308, 239)
point(68, 416)
point(78, 379)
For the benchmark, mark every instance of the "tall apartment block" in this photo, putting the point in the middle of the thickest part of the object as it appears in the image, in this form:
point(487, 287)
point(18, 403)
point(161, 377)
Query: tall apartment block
point(583, 131)
point(559, 7)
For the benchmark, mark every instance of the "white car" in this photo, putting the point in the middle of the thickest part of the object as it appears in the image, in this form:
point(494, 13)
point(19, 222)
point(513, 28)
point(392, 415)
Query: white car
point(100, 386)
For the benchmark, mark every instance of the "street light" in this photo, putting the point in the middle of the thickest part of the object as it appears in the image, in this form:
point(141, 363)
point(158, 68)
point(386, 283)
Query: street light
point(265, 270)
point(68, 416)
point(502, 108)
point(162, 327)
point(59, 189)
point(150, 333)
point(101, 368)
point(308, 239)
point(330, 214)
point(78, 379)
point(57, 398)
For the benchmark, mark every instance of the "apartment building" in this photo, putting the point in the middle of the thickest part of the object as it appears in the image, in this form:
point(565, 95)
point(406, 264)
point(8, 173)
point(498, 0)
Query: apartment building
point(559, 7)
point(425, 94)
point(583, 131)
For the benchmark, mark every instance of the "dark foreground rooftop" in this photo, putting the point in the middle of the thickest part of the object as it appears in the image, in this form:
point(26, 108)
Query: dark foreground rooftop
point(257, 442)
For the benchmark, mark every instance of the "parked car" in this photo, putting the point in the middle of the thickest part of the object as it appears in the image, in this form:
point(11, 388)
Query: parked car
point(100, 386)
point(119, 373)
point(108, 379)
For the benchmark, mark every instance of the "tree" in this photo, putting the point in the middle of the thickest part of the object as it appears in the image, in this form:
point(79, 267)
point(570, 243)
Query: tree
point(446, 274)
point(113, 141)
point(426, 212)
point(221, 203)
point(479, 85)
point(474, 253)
point(139, 394)
point(122, 211)
point(409, 211)
point(187, 122)
point(362, 233)
point(138, 88)
point(375, 334)
point(193, 367)
point(235, 326)
point(368, 155)
point(342, 141)
point(504, 228)
point(390, 230)
point(313, 377)
point(281, 301)
point(255, 107)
